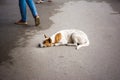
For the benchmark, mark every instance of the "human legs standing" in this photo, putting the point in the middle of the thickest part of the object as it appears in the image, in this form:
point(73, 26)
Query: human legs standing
point(23, 12)
point(33, 9)
point(22, 6)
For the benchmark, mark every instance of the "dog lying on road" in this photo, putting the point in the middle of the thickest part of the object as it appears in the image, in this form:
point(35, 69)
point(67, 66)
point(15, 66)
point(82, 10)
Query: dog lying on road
point(66, 37)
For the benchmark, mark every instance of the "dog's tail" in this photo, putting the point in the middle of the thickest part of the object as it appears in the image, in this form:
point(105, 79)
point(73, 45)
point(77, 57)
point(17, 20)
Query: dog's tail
point(87, 42)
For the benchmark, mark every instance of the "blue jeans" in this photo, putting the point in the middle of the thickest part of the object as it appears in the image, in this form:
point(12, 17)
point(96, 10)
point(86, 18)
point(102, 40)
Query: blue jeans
point(22, 6)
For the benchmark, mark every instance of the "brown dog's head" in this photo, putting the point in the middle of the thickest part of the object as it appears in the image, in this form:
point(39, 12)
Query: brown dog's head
point(47, 42)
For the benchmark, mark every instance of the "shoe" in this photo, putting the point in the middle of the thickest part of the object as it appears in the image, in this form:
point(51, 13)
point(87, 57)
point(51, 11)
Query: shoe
point(37, 20)
point(39, 1)
point(21, 22)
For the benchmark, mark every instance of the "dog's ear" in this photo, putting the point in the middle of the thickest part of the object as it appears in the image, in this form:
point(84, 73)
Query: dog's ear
point(50, 40)
point(46, 36)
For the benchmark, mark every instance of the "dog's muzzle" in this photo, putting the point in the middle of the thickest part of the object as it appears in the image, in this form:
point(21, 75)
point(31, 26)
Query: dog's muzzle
point(39, 45)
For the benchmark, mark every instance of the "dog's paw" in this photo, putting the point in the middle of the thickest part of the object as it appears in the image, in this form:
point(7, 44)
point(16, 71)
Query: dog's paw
point(77, 48)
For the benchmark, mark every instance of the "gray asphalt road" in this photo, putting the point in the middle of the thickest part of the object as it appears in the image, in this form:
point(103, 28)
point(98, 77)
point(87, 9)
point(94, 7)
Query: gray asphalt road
point(10, 33)
point(21, 59)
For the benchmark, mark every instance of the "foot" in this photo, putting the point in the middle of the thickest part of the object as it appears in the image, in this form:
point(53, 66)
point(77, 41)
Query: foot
point(39, 1)
point(37, 20)
point(21, 22)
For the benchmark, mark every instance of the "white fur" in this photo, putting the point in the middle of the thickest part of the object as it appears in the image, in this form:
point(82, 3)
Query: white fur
point(72, 37)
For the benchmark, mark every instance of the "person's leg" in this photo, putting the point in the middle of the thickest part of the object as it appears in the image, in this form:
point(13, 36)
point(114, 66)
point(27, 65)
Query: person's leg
point(22, 7)
point(33, 9)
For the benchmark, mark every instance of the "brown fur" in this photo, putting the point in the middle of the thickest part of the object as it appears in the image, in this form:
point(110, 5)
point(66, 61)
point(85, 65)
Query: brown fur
point(58, 37)
point(47, 42)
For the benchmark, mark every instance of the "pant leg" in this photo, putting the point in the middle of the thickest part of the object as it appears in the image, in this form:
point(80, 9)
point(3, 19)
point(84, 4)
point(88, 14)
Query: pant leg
point(32, 7)
point(22, 6)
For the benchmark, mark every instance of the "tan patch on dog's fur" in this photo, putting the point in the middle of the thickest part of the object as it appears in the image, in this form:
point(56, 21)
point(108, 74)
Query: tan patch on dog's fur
point(58, 37)
point(47, 42)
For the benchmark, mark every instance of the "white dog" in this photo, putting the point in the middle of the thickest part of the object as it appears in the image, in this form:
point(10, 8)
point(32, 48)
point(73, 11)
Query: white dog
point(66, 37)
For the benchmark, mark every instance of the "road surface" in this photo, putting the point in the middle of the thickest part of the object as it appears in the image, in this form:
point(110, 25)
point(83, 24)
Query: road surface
point(21, 59)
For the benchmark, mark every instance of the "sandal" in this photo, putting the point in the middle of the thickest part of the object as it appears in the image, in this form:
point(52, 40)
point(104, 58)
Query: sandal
point(37, 20)
point(21, 22)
